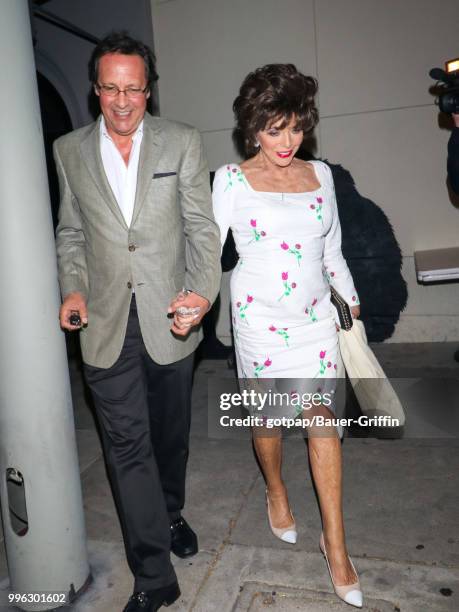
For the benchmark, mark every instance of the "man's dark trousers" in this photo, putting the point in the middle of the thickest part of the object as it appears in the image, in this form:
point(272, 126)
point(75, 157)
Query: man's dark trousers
point(144, 414)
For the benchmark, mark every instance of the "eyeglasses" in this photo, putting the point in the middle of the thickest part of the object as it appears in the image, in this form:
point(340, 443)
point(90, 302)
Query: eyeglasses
point(112, 91)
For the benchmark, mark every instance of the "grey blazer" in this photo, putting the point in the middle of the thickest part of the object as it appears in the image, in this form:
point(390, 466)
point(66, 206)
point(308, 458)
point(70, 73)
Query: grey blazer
point(173, 240)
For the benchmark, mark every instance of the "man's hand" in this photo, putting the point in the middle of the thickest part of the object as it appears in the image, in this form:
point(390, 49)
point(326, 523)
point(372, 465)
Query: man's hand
point(183, 323)
point(455, 117)
point(73, 302)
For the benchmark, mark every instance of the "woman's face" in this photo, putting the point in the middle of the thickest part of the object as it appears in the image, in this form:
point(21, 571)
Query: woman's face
point(280, 144)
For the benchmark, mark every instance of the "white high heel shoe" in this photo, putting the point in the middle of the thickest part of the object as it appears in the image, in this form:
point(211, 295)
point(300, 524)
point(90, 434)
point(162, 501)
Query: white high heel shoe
point(350, 593)
point(286, 534)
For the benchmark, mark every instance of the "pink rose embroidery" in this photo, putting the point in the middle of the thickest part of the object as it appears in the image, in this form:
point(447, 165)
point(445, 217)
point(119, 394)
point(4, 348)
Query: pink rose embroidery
point(234, 174)
point(324, 365)
point(328, 275)
point(287, 286)
point(294, 251)
point(317, 208)
point(309, 310)
point(281, 332)
point(256, 234)
point(243, 308)
point(260, 368)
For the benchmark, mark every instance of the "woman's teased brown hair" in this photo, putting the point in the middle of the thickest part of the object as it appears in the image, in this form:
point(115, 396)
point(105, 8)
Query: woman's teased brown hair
point(270, 93)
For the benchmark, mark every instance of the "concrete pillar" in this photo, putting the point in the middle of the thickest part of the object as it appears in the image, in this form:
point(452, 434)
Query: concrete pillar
point(40, 488)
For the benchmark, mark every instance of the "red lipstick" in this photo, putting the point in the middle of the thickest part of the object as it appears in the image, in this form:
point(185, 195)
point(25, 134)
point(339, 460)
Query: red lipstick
point(284, 155)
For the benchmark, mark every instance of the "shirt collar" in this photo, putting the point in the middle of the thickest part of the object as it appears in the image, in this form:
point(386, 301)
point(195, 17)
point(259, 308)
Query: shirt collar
point(103, 130)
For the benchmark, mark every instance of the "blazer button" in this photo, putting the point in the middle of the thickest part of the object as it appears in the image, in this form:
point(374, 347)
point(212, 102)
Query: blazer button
point(129, 285)
point(132, 247)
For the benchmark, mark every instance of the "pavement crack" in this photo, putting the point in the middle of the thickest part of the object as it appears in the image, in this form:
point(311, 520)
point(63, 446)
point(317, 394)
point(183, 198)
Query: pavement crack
point(226, 540)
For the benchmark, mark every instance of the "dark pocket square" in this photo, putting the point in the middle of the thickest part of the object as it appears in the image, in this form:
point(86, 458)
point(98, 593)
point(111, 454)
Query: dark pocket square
point(163, 174)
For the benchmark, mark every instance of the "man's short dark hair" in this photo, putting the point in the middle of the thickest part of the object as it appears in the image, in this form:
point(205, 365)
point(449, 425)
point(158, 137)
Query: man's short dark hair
point(121, 42)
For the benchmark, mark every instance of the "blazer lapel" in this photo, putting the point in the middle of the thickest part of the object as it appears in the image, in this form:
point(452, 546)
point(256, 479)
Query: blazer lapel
point(150, 151)
point(90, 150)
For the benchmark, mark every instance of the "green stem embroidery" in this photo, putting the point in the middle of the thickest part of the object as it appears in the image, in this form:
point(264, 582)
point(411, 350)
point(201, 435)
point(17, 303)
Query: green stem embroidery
point(256, 236)
point(287, 290)
point(234, 174)
point(297, 255)
point(283, 334)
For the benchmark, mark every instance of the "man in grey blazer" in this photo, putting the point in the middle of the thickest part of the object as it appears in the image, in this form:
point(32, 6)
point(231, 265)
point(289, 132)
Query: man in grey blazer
point(135, 228)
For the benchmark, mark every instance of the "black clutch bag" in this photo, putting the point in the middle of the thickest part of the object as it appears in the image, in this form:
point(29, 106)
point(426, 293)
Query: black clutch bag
point(342, 307)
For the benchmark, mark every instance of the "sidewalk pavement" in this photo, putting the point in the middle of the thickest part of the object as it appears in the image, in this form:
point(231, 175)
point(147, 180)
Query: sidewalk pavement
point(401, 500)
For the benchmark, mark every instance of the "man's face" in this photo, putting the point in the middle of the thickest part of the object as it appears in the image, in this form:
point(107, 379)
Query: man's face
point(122, 114)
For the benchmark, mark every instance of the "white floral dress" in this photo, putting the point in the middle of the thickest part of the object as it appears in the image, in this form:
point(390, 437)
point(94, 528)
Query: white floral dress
point(289, 245)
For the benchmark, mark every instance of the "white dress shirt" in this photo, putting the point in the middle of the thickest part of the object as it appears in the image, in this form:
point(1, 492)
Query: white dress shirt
point(122, 177)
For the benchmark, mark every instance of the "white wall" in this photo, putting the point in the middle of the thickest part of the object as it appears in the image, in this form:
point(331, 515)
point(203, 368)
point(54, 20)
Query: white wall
point(377, 117)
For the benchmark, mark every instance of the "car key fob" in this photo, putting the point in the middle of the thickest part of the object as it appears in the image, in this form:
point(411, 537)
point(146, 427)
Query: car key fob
point(75, 318)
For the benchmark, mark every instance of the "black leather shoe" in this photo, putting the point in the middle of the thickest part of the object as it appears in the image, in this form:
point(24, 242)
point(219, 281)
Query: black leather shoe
point(184, 542)
point(150, 601)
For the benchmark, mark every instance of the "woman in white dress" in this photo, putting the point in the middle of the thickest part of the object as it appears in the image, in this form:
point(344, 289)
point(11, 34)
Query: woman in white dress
point(284, 219)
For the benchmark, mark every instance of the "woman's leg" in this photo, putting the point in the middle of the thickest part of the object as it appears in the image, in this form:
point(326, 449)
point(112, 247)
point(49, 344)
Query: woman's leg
point(326, 464)
point(268, 447)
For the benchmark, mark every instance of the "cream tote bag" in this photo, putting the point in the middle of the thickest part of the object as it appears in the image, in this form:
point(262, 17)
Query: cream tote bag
point(373, 389)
